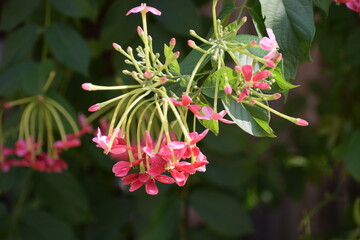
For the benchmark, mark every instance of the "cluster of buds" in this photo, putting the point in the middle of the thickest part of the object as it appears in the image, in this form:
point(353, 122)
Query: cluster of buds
point(37, 146)
point(148, 131)
point(353, 5)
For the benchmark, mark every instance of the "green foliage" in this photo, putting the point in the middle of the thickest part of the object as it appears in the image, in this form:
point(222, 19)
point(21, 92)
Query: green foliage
point(221, 212)
point(294, 22)
point(245, 175)
point(63, 194)
point(250, 118)
point(40, 225)
point(68, 47)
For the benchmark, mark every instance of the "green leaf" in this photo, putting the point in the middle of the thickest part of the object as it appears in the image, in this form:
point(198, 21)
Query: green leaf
point(72, 8)
point(164, 221)
point(40, 225)
point(15, 11)
point(250, 118)
point(351, 155)
point(180, 16)
point(34, 81)
point(68, 47)
point(174, 65)
point(323, 5)
point(258, 20)
point(116, 26)
point(212, 125)
point(293, 24)
point(64, 195)
point(281, 85)
point(111, 216)
point(221, 212)
point(209, 85)
point(356, 211)
point(17, 45)
point(11, 78)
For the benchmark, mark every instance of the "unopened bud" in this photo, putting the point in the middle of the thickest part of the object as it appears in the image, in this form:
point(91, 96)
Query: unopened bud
point(94, 108)
point(177, 54)
point(140, 31)
point(192, 32)
point(7, 105)
point(237, 68)
point(191, 43)
point(227, 89)
point(163, 79)
point(129, 49)
point(116, 46)
point(270, 64)
point(301, 122)
point(147, 74)
point(252, 43)
point(86, 86)
point(277, 96)
point(172, 42)
point(278, 57)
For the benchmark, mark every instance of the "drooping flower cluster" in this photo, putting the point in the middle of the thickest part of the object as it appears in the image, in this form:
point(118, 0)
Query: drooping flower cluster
point(148, 132)
point(42, 120)
point(160, 160)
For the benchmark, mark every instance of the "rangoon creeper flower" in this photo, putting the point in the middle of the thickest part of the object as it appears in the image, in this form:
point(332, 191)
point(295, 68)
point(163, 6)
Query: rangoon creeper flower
point(269, 44)
point(251, 80)
point(144, 8)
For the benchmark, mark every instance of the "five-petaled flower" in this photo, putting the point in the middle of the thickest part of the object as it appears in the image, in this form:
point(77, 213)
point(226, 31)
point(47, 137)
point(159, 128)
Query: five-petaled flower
point(269, 44)
point(251, 80)
point(144, 8)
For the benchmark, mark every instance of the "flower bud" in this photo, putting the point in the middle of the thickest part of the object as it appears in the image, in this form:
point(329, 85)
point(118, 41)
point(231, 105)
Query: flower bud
point(270, 64)
point(252, 43)
point(278, 57)
point(86, 86)
point(7, 105)
point(172, 42)
point(116, 46)
point(94, 108)
point(163, 79)
point(192, 32)
point(301, 122)
point(177, 54)
point(237, 68)
point(227, 89)
point(277, 96)
point(191, 43)
point(140, 31)
point(147, 74)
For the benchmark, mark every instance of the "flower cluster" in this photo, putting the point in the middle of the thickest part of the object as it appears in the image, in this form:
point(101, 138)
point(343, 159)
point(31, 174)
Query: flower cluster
point(42, 135)
point(353, 5)
point(28, 153)
point(147, 130)
point(148, 163)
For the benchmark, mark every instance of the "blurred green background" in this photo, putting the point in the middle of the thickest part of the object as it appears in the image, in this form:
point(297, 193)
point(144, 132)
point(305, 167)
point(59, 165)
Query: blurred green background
point(301, 185)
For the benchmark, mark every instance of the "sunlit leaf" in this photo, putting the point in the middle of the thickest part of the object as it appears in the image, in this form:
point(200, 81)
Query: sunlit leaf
point(250, 118)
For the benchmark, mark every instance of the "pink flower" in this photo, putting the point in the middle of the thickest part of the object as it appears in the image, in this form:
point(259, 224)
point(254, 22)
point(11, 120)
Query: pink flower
point(121, 168)
point(354, 5)
point(269, 44)
point(144, 8)
point(252, 80)
point(209, 114)
point(185, 101)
